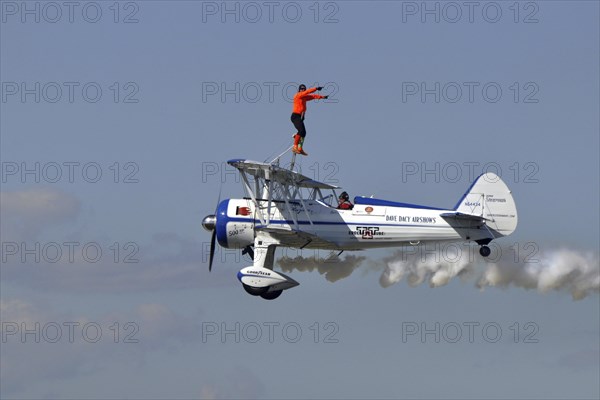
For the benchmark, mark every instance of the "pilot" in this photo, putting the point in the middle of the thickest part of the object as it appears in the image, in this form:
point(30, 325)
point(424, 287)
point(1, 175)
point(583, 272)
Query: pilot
point(344, 202)
point(298, 111)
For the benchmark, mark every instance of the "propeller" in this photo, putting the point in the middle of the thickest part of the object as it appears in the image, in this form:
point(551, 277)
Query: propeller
point(209, 223)
point(248, 250)
point(212, 249)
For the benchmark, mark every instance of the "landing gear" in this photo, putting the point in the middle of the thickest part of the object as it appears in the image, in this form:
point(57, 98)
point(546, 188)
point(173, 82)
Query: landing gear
point(271, 295)
point(262, 292)
point(255, 291)
point(485, 251)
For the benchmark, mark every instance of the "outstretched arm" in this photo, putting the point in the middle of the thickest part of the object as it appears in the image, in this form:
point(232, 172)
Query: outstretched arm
point(307, 92)
point(309, 97)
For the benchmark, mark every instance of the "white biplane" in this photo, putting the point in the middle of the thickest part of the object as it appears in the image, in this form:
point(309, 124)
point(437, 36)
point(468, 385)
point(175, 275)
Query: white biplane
point(284, 208)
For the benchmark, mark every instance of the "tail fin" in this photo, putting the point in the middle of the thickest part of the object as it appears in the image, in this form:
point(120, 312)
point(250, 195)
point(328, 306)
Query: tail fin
point(490, 198)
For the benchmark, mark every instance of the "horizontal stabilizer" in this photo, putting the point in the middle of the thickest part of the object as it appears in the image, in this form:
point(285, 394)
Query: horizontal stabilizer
point(463, 216)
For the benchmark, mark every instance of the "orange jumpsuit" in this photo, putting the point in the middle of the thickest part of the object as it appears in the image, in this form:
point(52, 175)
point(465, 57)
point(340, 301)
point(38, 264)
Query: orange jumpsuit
point(299, 108)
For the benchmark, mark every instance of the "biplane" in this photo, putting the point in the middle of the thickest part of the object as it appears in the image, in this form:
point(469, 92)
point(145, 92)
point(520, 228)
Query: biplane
point(283, 208)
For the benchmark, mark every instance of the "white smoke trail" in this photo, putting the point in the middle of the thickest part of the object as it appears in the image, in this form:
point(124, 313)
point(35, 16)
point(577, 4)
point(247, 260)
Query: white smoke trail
point(334, 268)
point(417, 268)
point(562, 269)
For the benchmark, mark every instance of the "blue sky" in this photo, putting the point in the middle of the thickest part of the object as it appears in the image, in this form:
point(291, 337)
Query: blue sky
point(157, 133)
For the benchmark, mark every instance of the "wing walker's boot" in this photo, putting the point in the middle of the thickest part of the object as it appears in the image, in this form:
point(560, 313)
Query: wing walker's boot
point(300, 149)
point(296, 142)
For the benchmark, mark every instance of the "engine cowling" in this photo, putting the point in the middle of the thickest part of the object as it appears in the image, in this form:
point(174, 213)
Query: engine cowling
point(234, 224)
point(259, 281)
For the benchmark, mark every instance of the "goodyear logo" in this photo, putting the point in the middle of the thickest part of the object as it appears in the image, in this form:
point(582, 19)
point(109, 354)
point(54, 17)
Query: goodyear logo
point(259, 273)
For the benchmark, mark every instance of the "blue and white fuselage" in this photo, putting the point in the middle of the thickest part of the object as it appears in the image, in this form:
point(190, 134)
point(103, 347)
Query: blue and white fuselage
point(372, 223)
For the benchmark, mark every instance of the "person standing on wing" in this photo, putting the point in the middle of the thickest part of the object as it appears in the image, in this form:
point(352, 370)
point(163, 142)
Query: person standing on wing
point(298, 111)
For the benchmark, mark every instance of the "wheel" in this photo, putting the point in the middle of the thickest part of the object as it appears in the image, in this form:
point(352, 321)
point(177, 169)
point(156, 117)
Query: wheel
point(254, 291)
point(271, 295)
point(484, 251)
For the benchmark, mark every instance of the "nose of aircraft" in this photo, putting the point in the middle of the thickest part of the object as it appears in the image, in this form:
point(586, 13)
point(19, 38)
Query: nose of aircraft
point(209, 222)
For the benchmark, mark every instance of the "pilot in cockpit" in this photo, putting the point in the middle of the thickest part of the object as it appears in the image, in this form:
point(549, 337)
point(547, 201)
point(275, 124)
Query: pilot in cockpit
point(344, 202)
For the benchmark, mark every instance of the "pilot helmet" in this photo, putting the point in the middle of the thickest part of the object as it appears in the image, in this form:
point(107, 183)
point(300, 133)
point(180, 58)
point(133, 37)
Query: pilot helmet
point(344, 196)
point(302, 87)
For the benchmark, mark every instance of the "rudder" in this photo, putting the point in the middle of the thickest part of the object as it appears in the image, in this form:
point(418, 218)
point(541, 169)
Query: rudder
point(490, 198)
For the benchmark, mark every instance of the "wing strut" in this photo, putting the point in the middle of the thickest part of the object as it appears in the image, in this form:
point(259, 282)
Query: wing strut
point(253, 196)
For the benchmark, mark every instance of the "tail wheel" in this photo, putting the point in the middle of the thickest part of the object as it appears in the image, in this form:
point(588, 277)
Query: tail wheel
point(271, 295)
point(485, 251)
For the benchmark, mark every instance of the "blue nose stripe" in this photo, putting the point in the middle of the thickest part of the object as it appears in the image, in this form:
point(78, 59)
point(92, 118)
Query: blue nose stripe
point(221, 225)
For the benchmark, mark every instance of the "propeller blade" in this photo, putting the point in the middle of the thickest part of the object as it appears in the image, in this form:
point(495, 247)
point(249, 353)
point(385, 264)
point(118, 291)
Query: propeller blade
point(214, 231)
point(212, 249)
point(219, 198)
point(248, 250)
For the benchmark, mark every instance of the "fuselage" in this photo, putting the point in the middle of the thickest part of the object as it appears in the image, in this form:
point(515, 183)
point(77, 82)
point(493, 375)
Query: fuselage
point(372, 223)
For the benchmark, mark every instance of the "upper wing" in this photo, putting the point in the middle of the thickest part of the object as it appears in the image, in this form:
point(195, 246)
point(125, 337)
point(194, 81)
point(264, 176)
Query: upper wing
point(277, 174)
